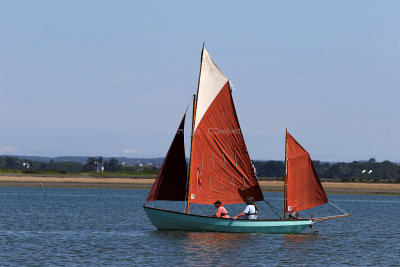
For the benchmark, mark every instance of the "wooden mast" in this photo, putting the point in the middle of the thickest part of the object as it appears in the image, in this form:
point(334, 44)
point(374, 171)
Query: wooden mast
point(190, 160)
point(285, 183)
point(193, 124)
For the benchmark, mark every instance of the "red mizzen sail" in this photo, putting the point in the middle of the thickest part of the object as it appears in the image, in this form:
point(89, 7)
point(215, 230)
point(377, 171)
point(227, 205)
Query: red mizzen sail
point(170, 183)
point(303, 188)
point(220, 164)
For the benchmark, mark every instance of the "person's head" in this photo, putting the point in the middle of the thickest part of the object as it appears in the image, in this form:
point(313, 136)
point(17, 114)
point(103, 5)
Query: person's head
point(217, 203)
point(250, 201)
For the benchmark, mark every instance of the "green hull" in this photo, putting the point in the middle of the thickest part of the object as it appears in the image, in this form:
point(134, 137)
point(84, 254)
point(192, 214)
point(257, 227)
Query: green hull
point(171, 220)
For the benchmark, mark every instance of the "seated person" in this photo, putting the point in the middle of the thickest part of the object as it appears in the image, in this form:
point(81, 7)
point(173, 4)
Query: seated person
point(221, 211)
point(250, 212)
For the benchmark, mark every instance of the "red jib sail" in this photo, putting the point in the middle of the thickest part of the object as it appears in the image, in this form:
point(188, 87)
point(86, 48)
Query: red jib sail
point(303, 188)
point(170, 183)
point(220, 164)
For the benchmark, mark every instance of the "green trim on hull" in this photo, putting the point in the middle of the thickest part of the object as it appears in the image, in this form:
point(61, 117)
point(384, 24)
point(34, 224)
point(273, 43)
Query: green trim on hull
point(172, 220)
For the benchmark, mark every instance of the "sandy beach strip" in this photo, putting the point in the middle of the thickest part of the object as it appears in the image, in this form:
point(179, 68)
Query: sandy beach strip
point(45, 181)
point(271, 186)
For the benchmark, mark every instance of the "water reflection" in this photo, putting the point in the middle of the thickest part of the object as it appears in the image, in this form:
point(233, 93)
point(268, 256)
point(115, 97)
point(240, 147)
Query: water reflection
point(214, 248)
point(295, 246)
point(213, 241)
point(294, 240)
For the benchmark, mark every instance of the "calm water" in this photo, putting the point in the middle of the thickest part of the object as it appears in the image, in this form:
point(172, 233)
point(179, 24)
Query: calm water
point(71, 227)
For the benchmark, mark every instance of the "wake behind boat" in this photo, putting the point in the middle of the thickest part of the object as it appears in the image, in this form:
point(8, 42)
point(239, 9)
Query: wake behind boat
point(220, 168)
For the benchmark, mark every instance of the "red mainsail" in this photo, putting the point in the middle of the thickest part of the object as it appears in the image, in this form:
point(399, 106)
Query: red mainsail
point(220, 164)
point(170, 183)
point(303, 188)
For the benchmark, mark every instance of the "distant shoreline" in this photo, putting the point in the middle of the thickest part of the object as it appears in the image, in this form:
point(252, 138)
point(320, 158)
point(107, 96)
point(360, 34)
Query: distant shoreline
point(146, 183)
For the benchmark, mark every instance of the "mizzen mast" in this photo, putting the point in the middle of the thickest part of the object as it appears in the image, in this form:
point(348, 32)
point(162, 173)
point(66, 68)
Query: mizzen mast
point(285, 183)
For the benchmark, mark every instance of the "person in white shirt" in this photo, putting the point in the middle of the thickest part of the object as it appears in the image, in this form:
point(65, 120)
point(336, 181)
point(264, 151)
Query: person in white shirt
point(250, 212)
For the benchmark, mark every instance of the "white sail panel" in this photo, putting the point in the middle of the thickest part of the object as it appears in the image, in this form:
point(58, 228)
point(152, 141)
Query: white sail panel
point(212, 80)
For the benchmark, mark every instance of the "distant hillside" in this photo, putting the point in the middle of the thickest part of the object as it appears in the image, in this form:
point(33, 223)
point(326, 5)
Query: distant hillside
point(82, 160)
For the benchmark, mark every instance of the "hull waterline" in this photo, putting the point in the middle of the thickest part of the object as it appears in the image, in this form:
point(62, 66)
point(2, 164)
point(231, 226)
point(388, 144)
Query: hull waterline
point(171, 220)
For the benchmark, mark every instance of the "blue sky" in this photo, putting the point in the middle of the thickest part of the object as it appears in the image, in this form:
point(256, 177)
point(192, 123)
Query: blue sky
point(113, 78)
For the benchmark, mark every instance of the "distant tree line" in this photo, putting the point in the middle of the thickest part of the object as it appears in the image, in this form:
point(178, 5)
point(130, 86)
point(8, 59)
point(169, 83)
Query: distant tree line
point(344, 171)
point(92, 164)
point(14, 163)
point(353, 171)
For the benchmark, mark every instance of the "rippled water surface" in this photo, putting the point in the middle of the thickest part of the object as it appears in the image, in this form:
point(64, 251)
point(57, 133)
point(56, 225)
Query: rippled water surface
point(70, 227)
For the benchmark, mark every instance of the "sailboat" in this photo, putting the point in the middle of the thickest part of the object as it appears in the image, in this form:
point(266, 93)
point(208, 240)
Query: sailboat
point(220, 168)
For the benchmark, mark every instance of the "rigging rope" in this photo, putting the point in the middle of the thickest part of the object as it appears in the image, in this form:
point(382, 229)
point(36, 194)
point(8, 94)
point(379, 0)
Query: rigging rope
point(275, 210)
point(333, 217)
point(337, 207)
